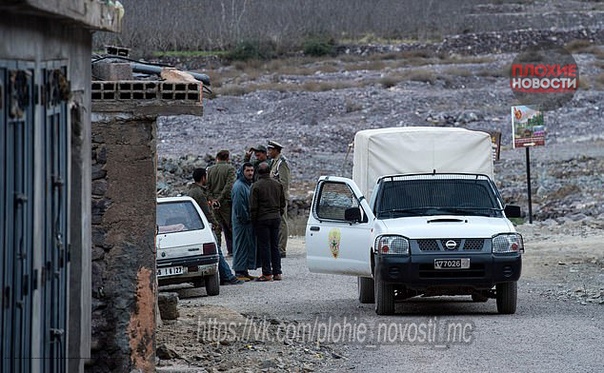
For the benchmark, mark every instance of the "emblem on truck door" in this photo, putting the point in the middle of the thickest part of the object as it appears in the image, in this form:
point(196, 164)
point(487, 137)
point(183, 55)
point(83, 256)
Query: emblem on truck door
point(451, 245)
point(334, 242)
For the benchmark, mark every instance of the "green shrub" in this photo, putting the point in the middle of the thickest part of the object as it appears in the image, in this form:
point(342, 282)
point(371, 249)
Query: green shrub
point(252, 50)
point(317, 47)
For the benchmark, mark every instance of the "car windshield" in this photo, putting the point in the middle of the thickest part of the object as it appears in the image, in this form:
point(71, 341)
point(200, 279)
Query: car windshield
point(425, 197)
point(178, 216)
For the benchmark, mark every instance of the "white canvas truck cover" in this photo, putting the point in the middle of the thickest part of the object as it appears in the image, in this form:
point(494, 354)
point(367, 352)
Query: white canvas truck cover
point(401, 150)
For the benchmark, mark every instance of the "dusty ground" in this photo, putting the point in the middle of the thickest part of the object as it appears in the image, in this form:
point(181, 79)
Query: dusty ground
point(561, 264)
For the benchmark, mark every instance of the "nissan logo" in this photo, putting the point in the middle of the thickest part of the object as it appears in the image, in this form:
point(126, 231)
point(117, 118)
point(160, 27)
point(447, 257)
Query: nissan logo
point(451, 245)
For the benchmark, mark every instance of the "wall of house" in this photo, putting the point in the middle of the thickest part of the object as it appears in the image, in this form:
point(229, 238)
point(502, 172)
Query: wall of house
point(46, 314)
point(123, 251)
point(77, 278)
point(36, 42)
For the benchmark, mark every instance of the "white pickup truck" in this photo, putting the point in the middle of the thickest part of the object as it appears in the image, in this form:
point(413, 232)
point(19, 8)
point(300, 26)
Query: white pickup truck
point(422, 217)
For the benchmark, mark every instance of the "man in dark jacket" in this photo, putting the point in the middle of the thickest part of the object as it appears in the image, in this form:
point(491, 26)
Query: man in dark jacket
point(267, 202)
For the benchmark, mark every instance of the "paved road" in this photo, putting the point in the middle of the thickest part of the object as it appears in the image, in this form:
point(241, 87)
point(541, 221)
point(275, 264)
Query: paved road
point(428, 335)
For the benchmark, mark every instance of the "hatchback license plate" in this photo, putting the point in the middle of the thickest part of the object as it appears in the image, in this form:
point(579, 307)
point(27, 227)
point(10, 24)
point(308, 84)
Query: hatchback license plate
point(170, 271)
point(463, 263)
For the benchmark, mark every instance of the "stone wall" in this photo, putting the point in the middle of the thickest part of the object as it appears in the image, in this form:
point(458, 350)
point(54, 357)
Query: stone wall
point(123, 243)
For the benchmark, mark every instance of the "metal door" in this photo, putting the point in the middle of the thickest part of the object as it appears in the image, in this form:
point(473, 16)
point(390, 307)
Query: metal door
point(54, 284)
point(28, 92)
point(16, 204)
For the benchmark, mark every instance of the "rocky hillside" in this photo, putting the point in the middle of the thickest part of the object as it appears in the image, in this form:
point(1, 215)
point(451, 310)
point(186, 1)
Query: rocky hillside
point(316, 115)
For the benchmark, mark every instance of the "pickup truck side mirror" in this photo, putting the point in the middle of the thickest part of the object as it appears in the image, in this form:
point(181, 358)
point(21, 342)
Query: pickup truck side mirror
point(512, 211)
point(352, 214)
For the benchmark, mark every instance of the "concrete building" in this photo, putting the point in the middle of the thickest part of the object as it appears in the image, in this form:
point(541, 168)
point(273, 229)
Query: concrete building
point(45, 188)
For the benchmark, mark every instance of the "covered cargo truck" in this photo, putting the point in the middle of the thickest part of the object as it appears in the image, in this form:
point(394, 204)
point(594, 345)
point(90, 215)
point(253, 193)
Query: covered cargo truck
point(422, 216)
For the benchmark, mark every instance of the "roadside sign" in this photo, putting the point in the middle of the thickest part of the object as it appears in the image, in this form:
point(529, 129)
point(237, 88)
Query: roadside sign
point(528, 127)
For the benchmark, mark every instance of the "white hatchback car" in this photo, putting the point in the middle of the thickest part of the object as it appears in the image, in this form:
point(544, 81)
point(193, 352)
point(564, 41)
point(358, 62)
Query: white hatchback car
point(186, 247)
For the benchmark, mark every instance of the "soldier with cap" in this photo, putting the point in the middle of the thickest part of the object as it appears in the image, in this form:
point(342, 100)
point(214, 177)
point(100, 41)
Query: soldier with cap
point(260, 153)
point(221, 177)
point(280, 171)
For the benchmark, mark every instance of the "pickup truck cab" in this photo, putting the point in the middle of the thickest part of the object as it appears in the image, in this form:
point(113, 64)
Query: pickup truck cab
point(428, 234)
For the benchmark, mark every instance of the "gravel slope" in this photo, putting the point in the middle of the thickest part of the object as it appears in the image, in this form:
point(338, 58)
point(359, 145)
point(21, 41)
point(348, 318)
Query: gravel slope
point(317, 128)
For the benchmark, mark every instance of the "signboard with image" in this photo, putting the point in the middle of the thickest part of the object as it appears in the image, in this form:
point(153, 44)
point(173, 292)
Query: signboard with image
point(528, 127)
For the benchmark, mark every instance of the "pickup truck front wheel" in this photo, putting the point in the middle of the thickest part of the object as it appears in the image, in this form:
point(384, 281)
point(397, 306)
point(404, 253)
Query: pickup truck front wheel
point(384, 298)
point(507, 295)
point(366, 290)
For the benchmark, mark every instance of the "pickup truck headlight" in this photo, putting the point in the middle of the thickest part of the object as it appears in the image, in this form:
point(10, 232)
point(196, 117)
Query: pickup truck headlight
point(392, 245)
point(508, 243)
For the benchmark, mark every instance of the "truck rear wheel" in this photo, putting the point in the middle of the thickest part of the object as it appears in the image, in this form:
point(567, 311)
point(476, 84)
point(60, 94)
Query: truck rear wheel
point(213, 284)
point(384, 298)
point(366, 290)
point(507, 295)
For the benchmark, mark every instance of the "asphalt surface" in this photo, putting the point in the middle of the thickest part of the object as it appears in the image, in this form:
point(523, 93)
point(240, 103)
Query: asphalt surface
point(427, 334)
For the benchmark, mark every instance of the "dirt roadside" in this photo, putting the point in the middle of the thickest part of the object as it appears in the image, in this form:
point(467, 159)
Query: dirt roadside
point(563, 263)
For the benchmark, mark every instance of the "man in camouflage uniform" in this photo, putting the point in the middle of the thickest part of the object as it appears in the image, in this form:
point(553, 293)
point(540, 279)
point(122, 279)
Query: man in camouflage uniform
point(280, 171)
point(221, 178)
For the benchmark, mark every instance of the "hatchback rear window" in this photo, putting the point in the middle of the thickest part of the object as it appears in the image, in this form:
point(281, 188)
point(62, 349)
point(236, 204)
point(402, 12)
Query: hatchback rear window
point(177, 217)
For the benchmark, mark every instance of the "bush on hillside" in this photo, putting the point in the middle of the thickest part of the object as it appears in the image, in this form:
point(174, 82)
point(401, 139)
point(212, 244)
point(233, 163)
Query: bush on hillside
point(252, 50)
point(317, 47)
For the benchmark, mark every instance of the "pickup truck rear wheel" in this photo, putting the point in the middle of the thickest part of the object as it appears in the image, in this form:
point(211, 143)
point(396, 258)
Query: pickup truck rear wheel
point(507, 295)
point(366, 290)
point(384, 298)
point(213, 284)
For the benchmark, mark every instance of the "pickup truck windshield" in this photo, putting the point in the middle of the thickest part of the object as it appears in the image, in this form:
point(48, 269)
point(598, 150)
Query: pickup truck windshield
point(448, 196)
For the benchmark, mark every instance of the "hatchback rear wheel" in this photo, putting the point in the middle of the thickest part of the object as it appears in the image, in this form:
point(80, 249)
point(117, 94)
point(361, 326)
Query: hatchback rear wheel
point(213, 284)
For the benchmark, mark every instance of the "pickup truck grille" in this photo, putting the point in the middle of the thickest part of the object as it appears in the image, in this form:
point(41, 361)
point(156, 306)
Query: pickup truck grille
point(467, 244)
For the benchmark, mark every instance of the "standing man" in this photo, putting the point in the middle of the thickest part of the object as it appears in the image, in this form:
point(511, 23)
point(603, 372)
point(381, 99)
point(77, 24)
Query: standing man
point(260, 153)
point(244, 239)
point(281, 172)
point(221, 178)
point(198, 192)
point(267, 202)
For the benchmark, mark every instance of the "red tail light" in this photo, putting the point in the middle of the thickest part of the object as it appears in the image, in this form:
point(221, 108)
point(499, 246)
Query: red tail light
point(209, 248)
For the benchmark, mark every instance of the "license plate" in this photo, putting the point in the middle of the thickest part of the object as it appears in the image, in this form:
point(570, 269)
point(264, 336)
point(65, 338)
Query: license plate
point(170, 271)
point(463, 263)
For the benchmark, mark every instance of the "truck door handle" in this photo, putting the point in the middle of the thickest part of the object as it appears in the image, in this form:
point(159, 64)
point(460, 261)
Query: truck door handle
point(315, 229)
